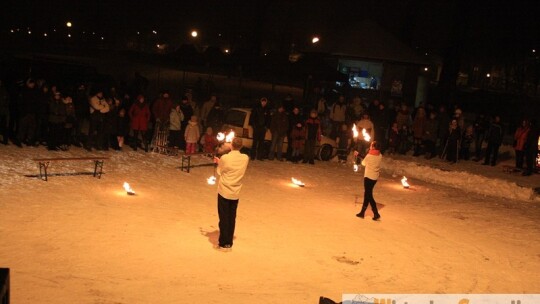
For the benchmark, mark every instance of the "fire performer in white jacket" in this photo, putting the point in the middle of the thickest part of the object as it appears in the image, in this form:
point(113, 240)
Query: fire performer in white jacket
point(372, 162)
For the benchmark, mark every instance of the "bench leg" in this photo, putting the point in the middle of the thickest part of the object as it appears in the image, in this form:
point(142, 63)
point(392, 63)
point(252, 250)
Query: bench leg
point(186, 163)
point(43, 170)
point(98, 164)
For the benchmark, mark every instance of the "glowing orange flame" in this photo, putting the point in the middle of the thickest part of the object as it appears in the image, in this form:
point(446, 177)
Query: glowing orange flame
point(128, 189)
point(366, 135)
point(297, 182)
point(211, 180)
point(355, 131)
point(405, 183)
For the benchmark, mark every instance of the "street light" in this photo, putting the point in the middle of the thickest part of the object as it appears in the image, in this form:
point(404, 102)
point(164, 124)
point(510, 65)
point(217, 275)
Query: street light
point(194, 34)
point(315, 39)
point(488, 75)
point(68, 24)
point(426, 69)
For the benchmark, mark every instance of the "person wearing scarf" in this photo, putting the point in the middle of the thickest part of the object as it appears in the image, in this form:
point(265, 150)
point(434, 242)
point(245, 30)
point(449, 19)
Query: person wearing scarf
point(372, 162)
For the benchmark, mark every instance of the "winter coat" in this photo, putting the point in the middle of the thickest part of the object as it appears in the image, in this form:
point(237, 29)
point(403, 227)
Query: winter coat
point(418, 126)
point(279, 124)
point(344, 137)
point(28, 101)
point(431, 129)
point(495, 134)
point(139, 113)
point(205, 109)
point(404, 118)
point(122, 126)
point(260, 117)
point(4, 101)
point(209, 143)
point(214, 118)
point(520, 138)
point(192, 132)
point(175, 120)
point(57, 111)
point(338, 112)
point(313, 129)
point(298, 135)
point(393, 138)
point(162, 108)
point(187, 109)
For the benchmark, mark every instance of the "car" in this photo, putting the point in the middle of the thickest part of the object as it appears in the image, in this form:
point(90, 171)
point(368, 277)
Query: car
point(237, 120)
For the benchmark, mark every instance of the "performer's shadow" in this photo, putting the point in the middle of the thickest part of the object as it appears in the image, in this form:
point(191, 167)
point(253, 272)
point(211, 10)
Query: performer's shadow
point(213, 236)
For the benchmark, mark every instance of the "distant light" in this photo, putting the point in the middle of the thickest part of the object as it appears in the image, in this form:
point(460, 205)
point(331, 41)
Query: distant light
point(44, 34)
point(84, 32)
point(29, 32)
point(18, 30)
point(102, 38)
point(315, 39)
point(534, 51)
point(68, 24)
point(265, 54)
point(426, 69)
point(69, 35)
point(54, 30)
point(155, 33)
point(227, 51)
point(219, 34)
point(93, 33)
point(488, 75)
point(194, 34)
point(426, 53)
point(157, 45)
point(12, 31)
point(138, 33)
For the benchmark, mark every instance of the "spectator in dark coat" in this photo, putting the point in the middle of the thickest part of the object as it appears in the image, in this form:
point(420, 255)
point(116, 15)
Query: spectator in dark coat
point(431, 130)
point(444, 122)
point(453, 141)
point(520, 139)
point(531, 147)
point(28, 106)
point(161, 110)
point(279, 125)
point(298, 136)
point(494, 138)
point(313, 136)
point(467, 140)
point(480, 127)
point(57, 118)
point(260, 121)
point(4, 113)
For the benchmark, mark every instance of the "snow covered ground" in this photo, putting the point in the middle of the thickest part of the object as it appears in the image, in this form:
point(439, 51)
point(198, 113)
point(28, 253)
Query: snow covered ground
point(461, 228)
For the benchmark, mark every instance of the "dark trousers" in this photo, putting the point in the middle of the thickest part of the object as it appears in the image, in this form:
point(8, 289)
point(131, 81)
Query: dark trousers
point(56, 134)
point(520, 156)
point(4, 131)
point(277, 142)
point(309, 150)
point(492, 153)
point(257, 149)
point(530, 156)
point(95, 131)
point(27, 129)
point(479, 139)
point(369, 184)
point(227, 220)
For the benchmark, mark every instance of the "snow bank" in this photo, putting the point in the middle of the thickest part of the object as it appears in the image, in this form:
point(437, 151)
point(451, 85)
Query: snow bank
point(463, 180)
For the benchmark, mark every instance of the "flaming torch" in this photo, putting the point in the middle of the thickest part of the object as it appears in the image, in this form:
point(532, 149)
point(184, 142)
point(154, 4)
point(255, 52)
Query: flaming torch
point(405, 183)
point(211, 180)
point(355, 167)
point(229, 137)
point(355, 131)
point(220, 136)
point(366, 135)
point(297, 182)
point(128, 189)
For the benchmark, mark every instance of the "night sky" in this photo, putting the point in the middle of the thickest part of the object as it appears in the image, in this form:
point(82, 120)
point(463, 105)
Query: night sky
point(483, 28)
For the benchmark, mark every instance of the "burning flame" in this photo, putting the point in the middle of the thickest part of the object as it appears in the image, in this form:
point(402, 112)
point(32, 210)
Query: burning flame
point(229, 137)
point(355, 167)
point(355, 131)
point(220, 136)
point(211, 180)
point(297, 182)
point(128, 189)
point(366, 135)
point(405, 183)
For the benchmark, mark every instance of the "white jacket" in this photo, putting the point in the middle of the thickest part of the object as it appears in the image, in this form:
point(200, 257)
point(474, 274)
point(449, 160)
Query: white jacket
point(231, 168)
point(373, 166)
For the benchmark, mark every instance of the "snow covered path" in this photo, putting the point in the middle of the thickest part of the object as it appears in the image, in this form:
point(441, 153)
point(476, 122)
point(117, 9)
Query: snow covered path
point(78, 239)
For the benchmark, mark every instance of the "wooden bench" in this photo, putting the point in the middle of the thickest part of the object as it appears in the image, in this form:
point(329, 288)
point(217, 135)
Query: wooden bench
point(45, 162)
point(186, 161)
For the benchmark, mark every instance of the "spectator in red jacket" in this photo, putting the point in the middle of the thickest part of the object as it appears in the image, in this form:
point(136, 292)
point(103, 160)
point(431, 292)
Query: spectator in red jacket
point(139, 114)
point(520, 137)
point(161, 109)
